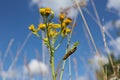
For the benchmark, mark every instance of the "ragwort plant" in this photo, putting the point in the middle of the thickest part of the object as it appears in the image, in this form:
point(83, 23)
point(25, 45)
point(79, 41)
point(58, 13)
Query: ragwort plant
point(52, 33)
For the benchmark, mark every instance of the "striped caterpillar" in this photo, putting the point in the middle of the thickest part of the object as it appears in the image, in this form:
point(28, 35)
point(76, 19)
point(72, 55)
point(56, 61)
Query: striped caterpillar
point(69, 53)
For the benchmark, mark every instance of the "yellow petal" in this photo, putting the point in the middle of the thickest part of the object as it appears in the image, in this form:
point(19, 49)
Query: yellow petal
point(47, 11)
point(68, 30)
point(31, 27)
point(42, 11)
point(45, 39)
point(41, 26)
point(68, 21)
point(61, 16)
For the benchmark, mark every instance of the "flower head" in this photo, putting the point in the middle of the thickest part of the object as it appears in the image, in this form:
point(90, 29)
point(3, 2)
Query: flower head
point(42, 11)
point(41, 26)
point(53, 33)
point(45, 39)
point(67, 21)
point(31, 27)
point(47, 11)
point(54, 26)
point(65, 32)
point(61, 16)
point(57, 26)
point(63, 25)
point(68, 30)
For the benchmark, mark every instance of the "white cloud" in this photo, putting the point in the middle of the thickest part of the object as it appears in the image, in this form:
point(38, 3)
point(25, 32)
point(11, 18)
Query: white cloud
point(112, 24)
point(117, 23)
point(115, 45)
point(14, 74)
point(11, 74)
point(108, 26)
point(96, 61)
point(36, 67)
point(114, 4)
point(82, 78)
point(57, 5)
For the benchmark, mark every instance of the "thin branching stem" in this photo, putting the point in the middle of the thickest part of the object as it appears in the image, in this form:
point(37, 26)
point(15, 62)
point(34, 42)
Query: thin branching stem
point(68, 44)
point(51, 52)
point(59, 43)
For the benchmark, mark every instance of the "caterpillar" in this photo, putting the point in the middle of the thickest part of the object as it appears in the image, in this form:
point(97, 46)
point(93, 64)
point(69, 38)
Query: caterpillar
point(69, 53)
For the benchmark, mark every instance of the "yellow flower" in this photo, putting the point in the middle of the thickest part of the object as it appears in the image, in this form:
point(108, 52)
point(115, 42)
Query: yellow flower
point(63, 25)
point(53, 33)
point(31, 27)
point(45, 39)
point(52, 25)
point(56, 26)
point(68, 30)
point(67, 21)
point(42, 11)
point(65, 32)
point(61, 16)
point(41, 26)
point(47, 11)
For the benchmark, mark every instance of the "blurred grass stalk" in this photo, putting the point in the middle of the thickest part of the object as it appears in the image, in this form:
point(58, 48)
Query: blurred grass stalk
point(86, 25)
point(18, 53)
point(101, 29)
point(90, 14)
point(103, 35)
point(75, 68)
point(104, 30)
point(6, 53)
point(91, 37)
point(8, 49)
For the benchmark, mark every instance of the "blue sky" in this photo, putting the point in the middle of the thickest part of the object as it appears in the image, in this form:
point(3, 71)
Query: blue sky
point(17, 15)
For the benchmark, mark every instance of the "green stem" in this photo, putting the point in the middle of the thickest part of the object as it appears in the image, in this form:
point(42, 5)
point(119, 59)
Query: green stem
point(59, 44)
point(52, 67)
point(58, 67)
point(61, 74)
point(63, 66)
point(51, 52)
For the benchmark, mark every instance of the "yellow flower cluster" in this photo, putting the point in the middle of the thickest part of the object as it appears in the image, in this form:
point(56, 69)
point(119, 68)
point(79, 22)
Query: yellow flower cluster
point(53, 33)
point(46, 12)
point(64, 23)
point(53, 29)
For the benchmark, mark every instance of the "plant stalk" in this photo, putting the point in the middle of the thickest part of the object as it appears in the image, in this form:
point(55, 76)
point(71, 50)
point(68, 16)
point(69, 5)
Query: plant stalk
point(52, 67)
point(51, 53)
